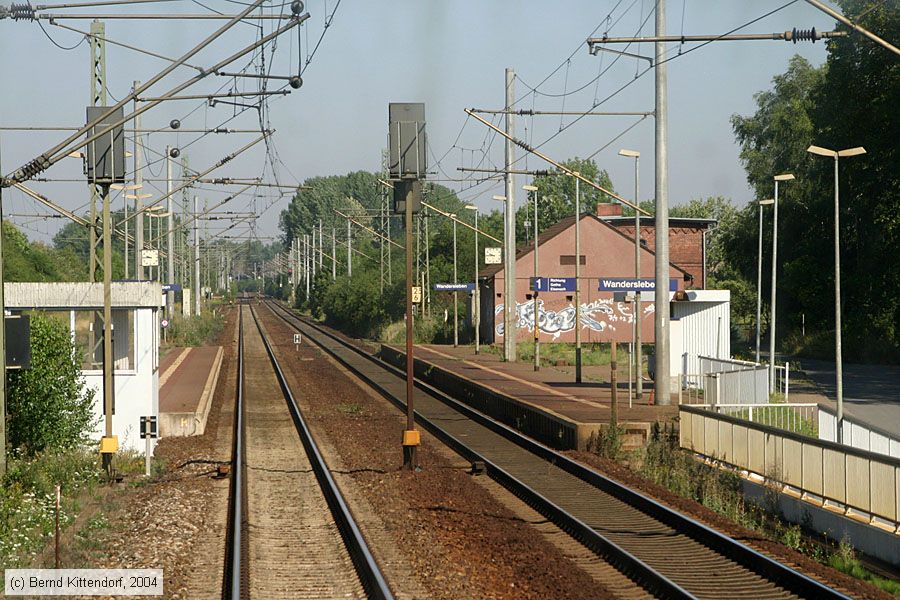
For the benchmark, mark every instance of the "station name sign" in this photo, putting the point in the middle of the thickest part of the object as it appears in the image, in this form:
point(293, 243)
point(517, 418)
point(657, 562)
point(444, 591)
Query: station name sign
point(454, 287)
point(630, 284)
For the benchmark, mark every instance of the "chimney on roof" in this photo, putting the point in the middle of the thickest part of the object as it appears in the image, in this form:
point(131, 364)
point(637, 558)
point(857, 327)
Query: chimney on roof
point(609, 209)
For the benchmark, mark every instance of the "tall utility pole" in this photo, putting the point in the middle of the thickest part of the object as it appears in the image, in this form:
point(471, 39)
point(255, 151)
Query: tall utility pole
point(509, 240)
point(350, 255)
point(306, 255)
point(321, 247)
point(661, 317)
point(170, 236)
point(108, 358)
point(98, 98)
point(333, 253)
point(138, 193)
point(196, 270)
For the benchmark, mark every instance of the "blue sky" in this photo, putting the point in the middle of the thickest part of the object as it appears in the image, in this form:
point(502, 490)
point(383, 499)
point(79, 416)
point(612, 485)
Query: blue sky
point(450, 56)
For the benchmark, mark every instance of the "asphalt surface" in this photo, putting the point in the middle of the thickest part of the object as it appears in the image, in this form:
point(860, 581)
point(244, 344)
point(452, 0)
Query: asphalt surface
point(871, 392)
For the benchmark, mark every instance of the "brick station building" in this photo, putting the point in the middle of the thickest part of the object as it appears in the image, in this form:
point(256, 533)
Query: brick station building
point(607, 251)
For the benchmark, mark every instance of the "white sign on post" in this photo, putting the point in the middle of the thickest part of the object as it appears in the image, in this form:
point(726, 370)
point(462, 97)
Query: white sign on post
point(416, 294)
point(493, 256)
point(297, 340)
point(149, 258)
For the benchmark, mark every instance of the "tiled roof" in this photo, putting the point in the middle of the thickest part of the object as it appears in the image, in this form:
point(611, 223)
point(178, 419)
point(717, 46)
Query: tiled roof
point(553, 231)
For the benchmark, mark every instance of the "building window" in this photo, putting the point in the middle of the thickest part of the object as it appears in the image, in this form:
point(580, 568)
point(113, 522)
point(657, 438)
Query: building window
point(89, 341)
point(569, 259)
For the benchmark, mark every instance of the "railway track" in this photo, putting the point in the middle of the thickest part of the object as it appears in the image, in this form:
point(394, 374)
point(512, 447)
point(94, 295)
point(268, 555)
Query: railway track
point(663, 551)
point(290, 533)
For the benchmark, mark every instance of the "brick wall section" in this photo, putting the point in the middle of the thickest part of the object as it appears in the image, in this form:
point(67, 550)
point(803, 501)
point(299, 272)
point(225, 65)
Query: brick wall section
point(685, 245)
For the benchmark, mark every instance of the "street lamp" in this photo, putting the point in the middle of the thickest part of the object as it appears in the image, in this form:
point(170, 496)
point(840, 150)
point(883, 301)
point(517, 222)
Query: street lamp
point(577, 276)
point(778, 178)
point(537, 352)
point(476, 309)
point(455, 293)
point(638, 359)
point(761, 203)
point(837, 280)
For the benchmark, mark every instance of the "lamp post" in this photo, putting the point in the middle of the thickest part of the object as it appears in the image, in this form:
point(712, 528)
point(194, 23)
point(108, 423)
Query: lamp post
point(537, 342)
point(638, 313)
point(476, 295)
point(577, 276)
point(837, 281)
point(778, 178)
point(761, 203)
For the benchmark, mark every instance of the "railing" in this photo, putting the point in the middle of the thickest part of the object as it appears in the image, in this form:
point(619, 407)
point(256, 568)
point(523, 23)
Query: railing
point(858, 434)
point(799, 418)
point(857, 482)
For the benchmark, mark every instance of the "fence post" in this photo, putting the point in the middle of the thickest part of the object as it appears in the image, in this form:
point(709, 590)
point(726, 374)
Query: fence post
point(787, 381)
point(751, 413)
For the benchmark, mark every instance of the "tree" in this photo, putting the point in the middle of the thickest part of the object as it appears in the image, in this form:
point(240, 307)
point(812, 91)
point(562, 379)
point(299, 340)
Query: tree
point(556, 195)
point(49, 407)
point(850, 101)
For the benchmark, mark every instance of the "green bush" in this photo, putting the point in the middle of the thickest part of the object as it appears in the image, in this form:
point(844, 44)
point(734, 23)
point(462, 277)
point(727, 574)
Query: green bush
point(48, 406)
point(196, 330)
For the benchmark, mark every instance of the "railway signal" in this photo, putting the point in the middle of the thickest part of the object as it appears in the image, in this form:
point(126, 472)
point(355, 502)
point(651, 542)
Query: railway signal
point(407, 166)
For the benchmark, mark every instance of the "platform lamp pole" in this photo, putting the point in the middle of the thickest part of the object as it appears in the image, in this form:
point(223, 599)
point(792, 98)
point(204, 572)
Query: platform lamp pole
point(638, 359)
point(476, 294)
point(784, 177)
point(837, 281)
point(577, 277)
point(455, 293)
point(761, 203)
point(537, 341)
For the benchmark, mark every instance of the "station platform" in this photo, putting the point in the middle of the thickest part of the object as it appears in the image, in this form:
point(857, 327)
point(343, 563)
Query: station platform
point(533, 398)
point(187, 382)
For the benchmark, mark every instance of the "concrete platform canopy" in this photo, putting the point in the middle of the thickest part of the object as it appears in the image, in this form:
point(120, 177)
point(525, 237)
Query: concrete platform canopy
point(136, 313)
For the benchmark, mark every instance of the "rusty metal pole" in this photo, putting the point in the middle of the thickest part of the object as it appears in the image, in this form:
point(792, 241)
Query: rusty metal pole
point(409, 449)
point(613, 382)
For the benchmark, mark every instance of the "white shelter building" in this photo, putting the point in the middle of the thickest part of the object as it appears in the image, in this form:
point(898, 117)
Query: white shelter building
point(136, 312)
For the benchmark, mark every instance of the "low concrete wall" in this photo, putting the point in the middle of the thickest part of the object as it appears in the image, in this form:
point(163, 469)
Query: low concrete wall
point(550, 429)
point(872, 541)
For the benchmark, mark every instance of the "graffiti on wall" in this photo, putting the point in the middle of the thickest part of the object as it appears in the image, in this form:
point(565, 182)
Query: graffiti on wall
point(598, 315)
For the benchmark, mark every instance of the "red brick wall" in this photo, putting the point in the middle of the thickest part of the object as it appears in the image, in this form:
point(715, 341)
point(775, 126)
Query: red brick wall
point(685, 246)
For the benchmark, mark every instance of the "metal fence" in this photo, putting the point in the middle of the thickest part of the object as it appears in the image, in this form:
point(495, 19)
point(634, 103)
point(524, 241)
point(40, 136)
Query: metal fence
point(857, 482)
point(802, 418)
point(858, 434)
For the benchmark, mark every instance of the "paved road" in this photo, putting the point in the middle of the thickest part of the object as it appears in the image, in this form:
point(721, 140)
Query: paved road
point(871, 392)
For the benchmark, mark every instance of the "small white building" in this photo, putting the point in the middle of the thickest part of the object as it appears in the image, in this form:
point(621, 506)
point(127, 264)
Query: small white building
point(700, 326)
point(136, 312)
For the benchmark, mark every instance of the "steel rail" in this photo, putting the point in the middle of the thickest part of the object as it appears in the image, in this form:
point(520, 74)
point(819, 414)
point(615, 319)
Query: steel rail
point(623, 560)
point(231, 580)
point(367, 568)
point(743, 555)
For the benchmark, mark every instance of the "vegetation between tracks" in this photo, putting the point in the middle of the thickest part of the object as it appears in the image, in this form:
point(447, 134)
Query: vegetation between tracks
point(664, 463)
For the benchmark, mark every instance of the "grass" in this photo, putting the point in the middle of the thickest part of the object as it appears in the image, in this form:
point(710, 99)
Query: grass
point(552, 353)
point(28, 500)
point(720, 490)
point(196, 331)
